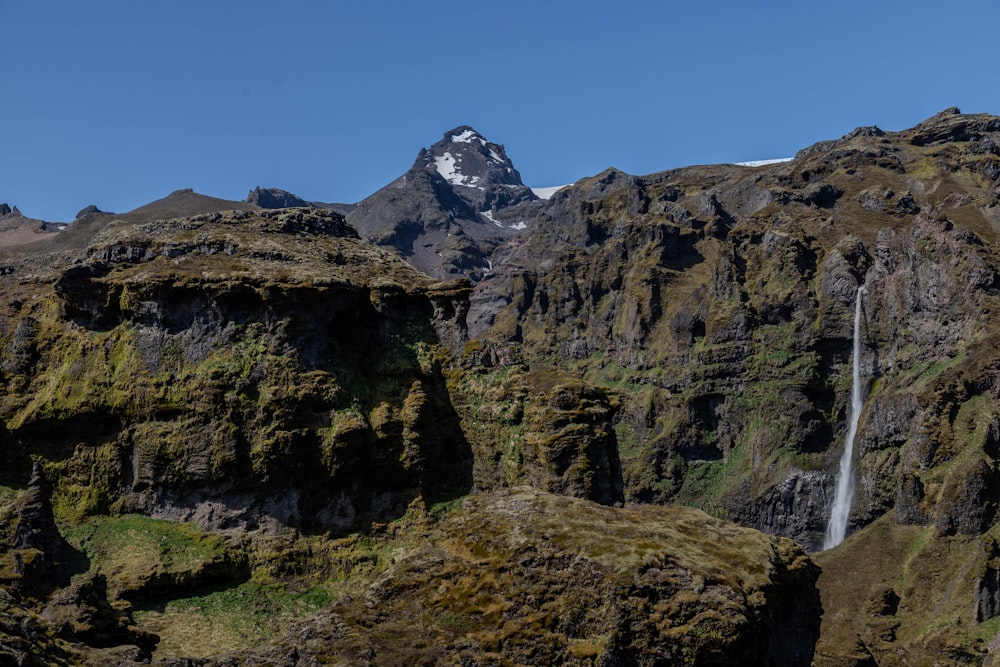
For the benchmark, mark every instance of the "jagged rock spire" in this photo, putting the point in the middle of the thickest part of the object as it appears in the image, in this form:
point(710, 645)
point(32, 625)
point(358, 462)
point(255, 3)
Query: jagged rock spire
point(36, 524)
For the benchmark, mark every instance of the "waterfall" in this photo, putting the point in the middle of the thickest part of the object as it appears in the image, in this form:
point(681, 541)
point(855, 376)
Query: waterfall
point(836, 530)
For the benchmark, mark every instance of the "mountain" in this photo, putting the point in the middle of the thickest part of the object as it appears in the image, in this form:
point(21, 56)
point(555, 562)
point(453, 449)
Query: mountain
point(253, 436)
point(180, 203)
point(715, 305)
point(446, 214)
point(16, 229)
point(478, 169)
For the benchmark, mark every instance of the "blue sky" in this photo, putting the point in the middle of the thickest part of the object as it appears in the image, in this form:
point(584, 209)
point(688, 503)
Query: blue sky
point(117, 103)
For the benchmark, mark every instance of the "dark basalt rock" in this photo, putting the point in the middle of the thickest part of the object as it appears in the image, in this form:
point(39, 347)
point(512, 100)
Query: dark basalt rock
point(969, 502)
point(909, 499)
point(36, 525)
point(952, 125)
point(796, 508)
point(81, 612)
point(987, 587)
point(275, 198)
point(88, 210)
point(446, 214)
point(38, 555)
point(822, 195)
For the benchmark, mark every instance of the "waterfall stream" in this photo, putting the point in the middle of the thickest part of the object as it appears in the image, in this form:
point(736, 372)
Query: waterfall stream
point(836, 530)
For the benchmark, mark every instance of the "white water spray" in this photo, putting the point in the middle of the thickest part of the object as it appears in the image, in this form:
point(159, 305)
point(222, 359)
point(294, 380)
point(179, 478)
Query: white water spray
point(836, 530)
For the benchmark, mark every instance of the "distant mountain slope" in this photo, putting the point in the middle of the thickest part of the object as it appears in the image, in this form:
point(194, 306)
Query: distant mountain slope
point(91, 220)
point(445, 214)
point(17, 229)
point(182, 203)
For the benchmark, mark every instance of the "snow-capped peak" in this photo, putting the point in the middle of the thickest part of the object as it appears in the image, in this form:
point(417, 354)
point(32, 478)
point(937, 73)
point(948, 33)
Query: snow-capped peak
point(466, 158)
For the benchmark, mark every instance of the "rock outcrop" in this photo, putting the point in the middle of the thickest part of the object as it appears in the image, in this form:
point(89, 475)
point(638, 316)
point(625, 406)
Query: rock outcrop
point(275, 198)
point(35, 559)
point(546, 429)
point(525, 577)
point(88, 210)
point(17, 229)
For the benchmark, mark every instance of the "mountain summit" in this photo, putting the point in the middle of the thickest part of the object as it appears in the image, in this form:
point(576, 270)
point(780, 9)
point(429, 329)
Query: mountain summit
point(442, 214)
point(479, 169)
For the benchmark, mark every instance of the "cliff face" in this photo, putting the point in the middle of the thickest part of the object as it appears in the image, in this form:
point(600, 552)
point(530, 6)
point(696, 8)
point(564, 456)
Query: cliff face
point(717, 302)
point(236, 369)
point(227, 402)
point(715, 305)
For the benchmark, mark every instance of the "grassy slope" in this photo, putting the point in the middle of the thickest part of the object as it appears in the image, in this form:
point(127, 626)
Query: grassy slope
point(933, 576)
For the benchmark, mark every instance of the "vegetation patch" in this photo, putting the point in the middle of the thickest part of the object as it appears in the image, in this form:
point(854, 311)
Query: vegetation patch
point(227, 620)
point(142, 556)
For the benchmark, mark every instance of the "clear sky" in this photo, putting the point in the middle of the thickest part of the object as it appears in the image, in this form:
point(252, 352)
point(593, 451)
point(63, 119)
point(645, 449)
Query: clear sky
point(119, 102)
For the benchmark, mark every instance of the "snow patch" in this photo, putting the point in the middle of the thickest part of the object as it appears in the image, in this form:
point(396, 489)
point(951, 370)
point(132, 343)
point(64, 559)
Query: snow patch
point(489, 216)
point(546, 193)
point(447, 166)
point(519, 226)
point(495, 156)
point(465, 137)
point(761, 163)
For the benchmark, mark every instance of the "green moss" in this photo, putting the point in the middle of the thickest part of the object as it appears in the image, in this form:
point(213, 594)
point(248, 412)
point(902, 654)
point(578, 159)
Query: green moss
point(628, 442)
point(231, 619)
point(455, 623)
point(705, 482)
point(440, 510)
point(251, 609)
point(8, 496)
point(131, 544)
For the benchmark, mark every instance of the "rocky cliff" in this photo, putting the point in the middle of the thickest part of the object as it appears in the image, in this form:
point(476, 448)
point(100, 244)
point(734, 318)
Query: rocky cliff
point(199, 367)
point(715, 305)
point(260, 404)
point(315, 409)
